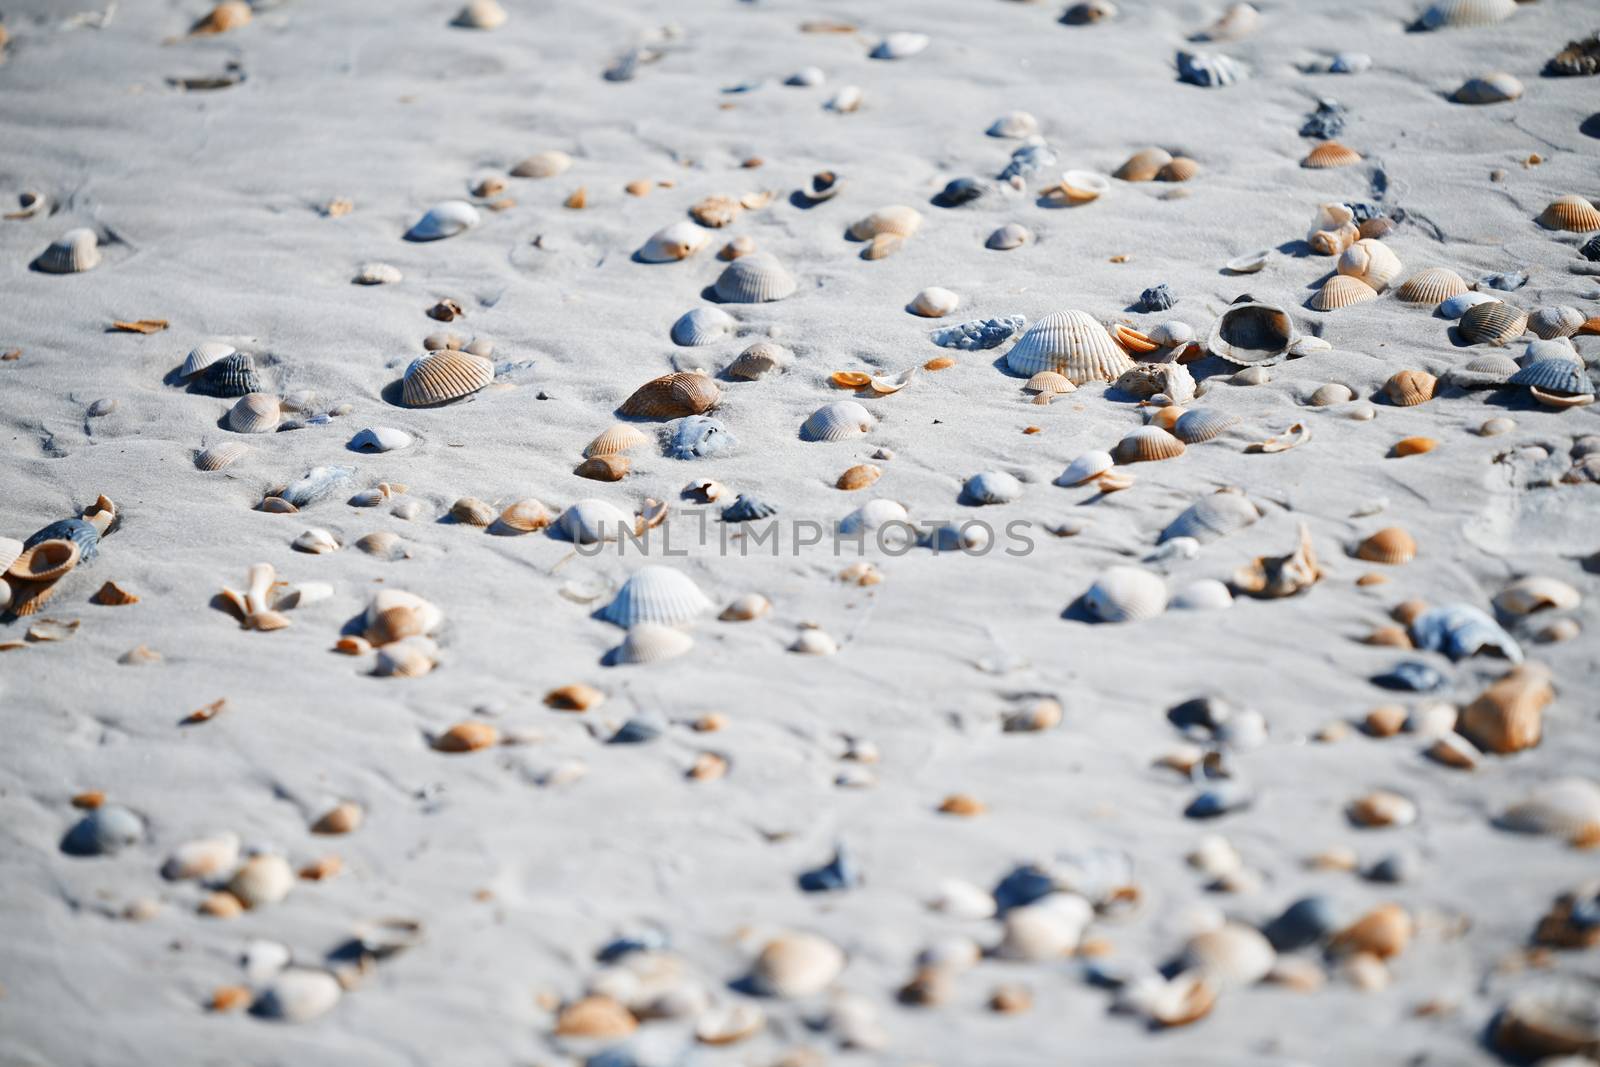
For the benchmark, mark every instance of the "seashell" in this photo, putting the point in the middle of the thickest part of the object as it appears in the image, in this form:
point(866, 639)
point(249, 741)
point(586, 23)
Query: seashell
point(1049, 383)
point(896, 219)
point(1566, 807)
point(730, 1024)
point(902, 45)
point(480, 15)
point(1485, 372)
point(377, 274)
point(1072, 343)
point(656, 594)
point(255, 413)
point(1249, 263)
point(1392, 544)
point(548, 164)
point(1456, 13)
point(1554, 378)
point(1528, 595)
point(73, 252)
point(595, 1017)
point(380, 439)
point(934, 303)
point(1208, 69)
point(859, 477)
point(1432, 285)
point(1203, 424)
point(1270, 577)
point(748, 508)
point(1239, 20)
point(204, 355)
point(577, 697)
point(616, 439)
point(651, 643)
point(1147, 444)
point(104, 831)
point(1086, 467)
point(591, 521)
point(759, 360)
point(1578, 59)
point(227, 15)
point(884, 384)
point(1126, 594)
point(1202, 594)
point(1143, 165)
point(1553, 322)
point(1382, 808)
point(1082, 186)
point(1496, 88)
point(1457, 306)
point(1088, 12)
point(383, 544)
point(1011, 235)
point(1177, 1001)
point(85, 535)
point(10, 550)
point(1171, 380)
point(471, 511)
point(1371, 262)
point(1046, 930)
point(206, 857)
point(1180, 169)
point(872, 515)
point(44, 560)
point(1508, 716)
point(1384, 932)
point(1232, 956)
point(316, 541)
point(445, 219)
point(1330, 154)
point(262, 880)
point(1461, 630)
point(440, 377)
point(1252, 333)
point(795, 965)
point(1014, 124)
point(846, 100)
point(812, 642)
point(754, 279)
point(882, 246)
point(524, 516)
point(838, 421)
point(318, 484)
point(1493, 322)
point(1409, 388)
point(1211, 517)
point(678, 241)
point(1557, 1017)
point(703, 326)
point(699, 436)
point(672, 396)
point(1573, 213)
point(1330, 394)
point(991, 487)
point(298, 995)
point(747, 607)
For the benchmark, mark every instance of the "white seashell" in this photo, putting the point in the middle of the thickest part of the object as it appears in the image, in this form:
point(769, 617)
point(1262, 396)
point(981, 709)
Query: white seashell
point(796, 965)
point(703, 326)
point(934, 303)
point(1212, 516)
point(1087, 466)
point(992, 487)
point(262, 880)
point(747, 607)
point(1457, 305)
point(678, 241)
point(901, 45)
point(298, 995)
point(656, 594)
point(377, 274)
point(10, 550)
point(1528, 595)
point(1014, 124)
point(1172, 334)
point(962, 900)
point(1249, 263)
point(845, 100)
point(591, 521)
point(872, 515)
point(410, 657)
point(1202, 594)
point(203, 355)
point(481, 15)
point(300, 594)
point(1495, 88)
point(1454, 13)
point(445, 219)
point(1084, 185)
point(892, 383)
point(1566, 806)
point(1231, 957)
point(838, 421)
point(380, 439)
point(806, 77)
point(427, 617)
point(220, 455)
point(1011, 235)
point(755, 279)
point(205, 857)
point(651, 643)
point(1046, 930)
point(1238, 21)
point(1126, 594)
point(440, 377)
point(813, 642)
point(254, 413)
point(316, 541)
point(1372, 262)
point(73, 252)
point(548, 164)
point(1070, 342)
point(896, 219)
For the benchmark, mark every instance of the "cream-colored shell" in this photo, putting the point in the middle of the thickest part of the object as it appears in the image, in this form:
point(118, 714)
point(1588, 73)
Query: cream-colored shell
point(1071, 342)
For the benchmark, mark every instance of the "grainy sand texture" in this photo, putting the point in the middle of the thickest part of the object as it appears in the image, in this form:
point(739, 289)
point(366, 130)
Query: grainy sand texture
point(1223, 696)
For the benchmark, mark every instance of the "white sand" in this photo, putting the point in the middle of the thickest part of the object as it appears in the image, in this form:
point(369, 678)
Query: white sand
point(214, 197)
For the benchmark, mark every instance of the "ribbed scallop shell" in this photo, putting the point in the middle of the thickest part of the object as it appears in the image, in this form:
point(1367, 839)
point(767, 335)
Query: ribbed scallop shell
point(1485, 372)
point(702, 326)
point(615, 440)
point(1433, 285)
point(10, 549)
point(759, 360)
point(1049, 382)
point(673, 396)
point(445, 219)
point(1562, 376)
point(590, 521)
point(895, 219)
point(1330, 154)
point(231, 376)
point(1126, 594)
point(1392, 544)
point(443, 376)
point(204, 355)
point(678, 241)
point(651, 643)
point(1372, 262)
point(755, 279)
point(656, 594)
point(73, 252)
point(1342, 291)
point(1494, 323)
point(1495, 88)
point(1143, 165)
point(1147, 444)
point(1572, 213)
point(1181, 169)
point(255, 413)
point(1203, 424)
point(1566, 806)
point(838, 421)
point(1071, 342)
point(1456, 13)
point(1552, 322)
point(220, 455)
point(1212, 517)
point(1408, 388)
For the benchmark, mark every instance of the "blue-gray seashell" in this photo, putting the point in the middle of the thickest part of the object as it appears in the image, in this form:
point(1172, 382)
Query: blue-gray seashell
point(1350, 63)
point(1410, 675)
point(1505, 281)
point(318, 484)
point(78, 531)
point(1220, 800)
point(699, 436)
point(747, 509)
point(1591, 250)
point(838, 873)
point(1021, 887)
point(1208, 70)
point(230, 376)
point(639, 729)
point(1305, 922)
point(1396, 867)
point(1325, 123)
point(978, 333)
point(1156, 298)
point(105, 831)
point(1461, 630)
point(1558, 375)
point(649, 939)
point(1028, 161)
point(959, 191)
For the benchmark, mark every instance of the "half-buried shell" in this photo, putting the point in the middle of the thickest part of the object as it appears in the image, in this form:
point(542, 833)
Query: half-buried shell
point(443, 376)
point(702, 326)
point(255, 413)
point(73, 252)
point(838, 421)
point(1409, 388)
point(656, 594)
point(896, 219)
point(651, 643)
point(1432, 285)
point(1203, 424)
point(1493, 323)
point(1070, 342)
point(673, 396)
point(678, 241)
point(754, 279)
point(1342, 290)
point(1572, 213)
point(1147, 444)
point(1126, 594)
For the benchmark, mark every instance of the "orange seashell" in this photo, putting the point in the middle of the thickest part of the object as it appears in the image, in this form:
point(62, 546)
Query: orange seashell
point(1574, 213)
point(961, 804)
point(595, 1016)
point(577, 697)
point(45, 561)
point(1167, 417)
point(939, 363)
point(113, 595)
point(1372, 578)
point(1385, 931)
point(343, 818)
point(1389, 637)
point(1409, 388)
point(859, 477)
point(1132, 339)
point(850, 379)
point(1508, 716)
point(1414, 446)
point(1392, 544)
point(1385, 720)
point(467, 736)
point(229, 998)
point(1181, 169)
point(228, 15)
point(1144, 165)
point(604, 468)
point(1330, 154)
point(673, 396)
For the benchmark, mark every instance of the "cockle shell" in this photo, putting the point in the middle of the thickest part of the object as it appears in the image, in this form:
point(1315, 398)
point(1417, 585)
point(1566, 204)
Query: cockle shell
point(796, 965)
point(748, 508)
point(754, 279)
point(656, 594)
point(255, 413)
point(759, 360)
point(1507, 716)
point(1047, 929)
point(73, 252)
point(1203, 424)
point(1049, 383)
point(1432, 285)
point(445, 219)
point(1072, 343)
point(1555, 1021)
point(1492, 323)
point(614, 440)
point(1181, 169)
point(672, 396)
point(702, 326)
point(1567, 807)
point(204, 355)
point(1573, 213)
point(1126, 594)
point(1536, 593)
point(1495, 88)
point(651, 643)
point(547, 164)
point(745, 608)
point(298, 995)
point(1392, 544)
point(393, 614)
point(1212, 516)
point(1370, 261)
point(44, 560)
point(934, 303)
point(316, 541)
point(523, 516)
point(1147, 444)
point(1457, 305)
point(1552, 322)
point(896, 219)
point(1409, 388)
point(1485, 372)
point(1230, 957)
point(443, 376)
point(838, 421)
point(678, 241)
point(1455, 13)
point(872, 515)
point(231, 376)
point(262, 880)
point(1330, 154)
point(1143, 165)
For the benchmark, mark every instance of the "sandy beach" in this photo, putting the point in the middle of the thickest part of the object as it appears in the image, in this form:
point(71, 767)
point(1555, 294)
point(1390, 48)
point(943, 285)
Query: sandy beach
point(558, 894)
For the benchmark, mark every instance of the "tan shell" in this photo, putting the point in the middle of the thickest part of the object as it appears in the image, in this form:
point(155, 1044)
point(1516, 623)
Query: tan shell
point(1409, 388)
point(615, 439)
point(1556, 1018)
point(1049, 382)
point(442, 376)
point(1573, 213)
point(1330, 154)
point(472, 511)
point(859, 477)
point(525, 516)
point(576, 697)
point(1280, 576)
point(796, 965)
point(1413, 446)
point(595, 1016)
point(543, 165)
point(264, 879)
point(1181, 169)
point(345, 818)
point(1382, 808)
point(747, 607)
point(1507, 716)
point(1492, 323)
point(1385, 931)
point(255, 413)
point(1147, 444)
point(1534, 593)
point(45, 561)
point(673, 396)
point(219, 456)
point(1392, 544)
point(896, 219)
point(1372, 262)
point(468, 736)
point(1072, 343)
point(113, 595)
point(228, 15)
point(1144, 165)
point(716, 211)
point(1342, 290)
point(604, 468)
point(1433, 285)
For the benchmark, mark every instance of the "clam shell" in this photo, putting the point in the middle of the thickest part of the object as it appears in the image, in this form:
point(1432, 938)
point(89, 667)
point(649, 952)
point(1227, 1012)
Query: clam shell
point(1046, 930)
point(220, 455)
point(1409, 388)
point(206, 857)
point(615, 439)
point(1432, 285)
point(73, 252)
point(480, 15)
point(859, 477)
point(656, 594)
point(1232, 956)
point(901, 45)
point(796, 965)
point(991, 487)
point(1330, 394)
point(1083, 186)
point(1457, 13)
point(548, 164)
point(1573, 213)
point(1249, 263)
point(1492, 323)
point(896, 219)
point(1211, 517)
point(524, 516)
point(1552, 322)
point(703, 326)
point(759, 360)
point(1147, 444)
point(754, 279)
point(1566, 807)
point(298, 995)
point(934, 303)
point(1011, 235)
point(1202, 594)
point(1536, 593)
point(872, 515)
point(1143, 165)
point(1072, 343)
point(604, 468)
point(672, 396)
point(671, 243)
point(1126, 594)
point(1181, 169)
point(1342, 290)
point(1485, 372)
point(255, 413)
point(1085, 467)
point(1495, 88)
point(651, 643)
point(262, 880)
point(1457, 305)
point(1370, 261)
point(231, 376)
point(440, 377)
point(204, 355)
point(380, 439)
point(1562, 376)
point(1557, 1016)
point(747, 607)
point(377, 274)
point(445, 219)
point(1330, 154)
point(1203, 424)
point(1252, 333)
point(591, 521)
point(1014, 124)
point(416, 616)
point(1392, 544)
point(838, 421)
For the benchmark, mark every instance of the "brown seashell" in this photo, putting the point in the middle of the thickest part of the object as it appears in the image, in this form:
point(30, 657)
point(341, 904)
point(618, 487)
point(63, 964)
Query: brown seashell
point(1385, 931)
point(229, 998)
point(1492, 323)
point(1560, 929)
point(1181, 169)
point(715, 211)
point(1147, 444)
point(1508, 716)
point(1385, 720)
point(575, 697)
point(113, 595)
point(321, 869)
point(1392, 544)
point(961, 804)
point(468, 736)
point(1013, 999)
point(228, 15)
point(1372, 578)
point(595, 1016)
point(1408, 611)
point(578, 200)
point(1280, 576)
point(442, 376)
point(45, 561)
point(939, 363)
point(1132, 339)
point(1408, 388)
point(638, 187)
point(221, 905)
point(707, 767)
point(859, 477)
point(604, 468)
point(1144, 165)
point(396, 624)
point(614, 440)
point(929, 987)
point(351, 645)
point(1413, 446)
point(1389, 637)
point(525, 516)
point(446, 311)
point(343, 818)
point(472, 511)
point(673, 396)
point(1375, 228)
point(276, 505)
point(1434, 285)
point(1333, 242)
point(1382, 808)
point(882, 246)
point(90, 800)
point(1330, 154)
point(1574, 213)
